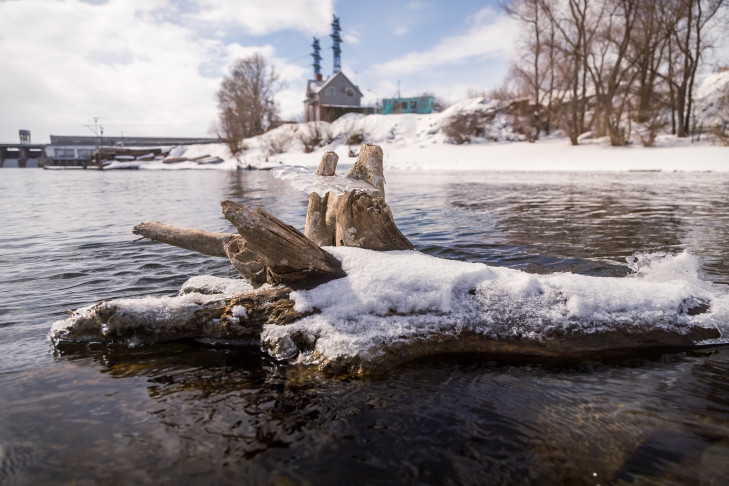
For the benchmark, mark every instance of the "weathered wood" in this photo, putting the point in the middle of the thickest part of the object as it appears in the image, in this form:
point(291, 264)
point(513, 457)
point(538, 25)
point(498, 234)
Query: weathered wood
point(225, 320)
point(247, 262)
point(369, 167)
point(316, 228)
point(365, 221)
point(355, 218)
point(205, 242)
point(239, 320)
point(566, 347)
point(328, 164)
point(290, 257)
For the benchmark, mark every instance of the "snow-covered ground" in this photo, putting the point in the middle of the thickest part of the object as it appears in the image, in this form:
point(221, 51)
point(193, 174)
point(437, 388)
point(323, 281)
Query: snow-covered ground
point(418, 142)
point(415, 149)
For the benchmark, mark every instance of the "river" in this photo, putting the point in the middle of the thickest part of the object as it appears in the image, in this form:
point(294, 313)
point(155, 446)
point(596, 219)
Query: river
point(170, 413)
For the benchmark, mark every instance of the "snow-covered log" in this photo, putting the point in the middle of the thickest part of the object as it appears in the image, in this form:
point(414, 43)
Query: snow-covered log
point(394, 307)
point(353, 311)
point(207, 318)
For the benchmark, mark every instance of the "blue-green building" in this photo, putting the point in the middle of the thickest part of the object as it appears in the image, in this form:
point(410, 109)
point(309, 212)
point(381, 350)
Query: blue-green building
point(422, 105)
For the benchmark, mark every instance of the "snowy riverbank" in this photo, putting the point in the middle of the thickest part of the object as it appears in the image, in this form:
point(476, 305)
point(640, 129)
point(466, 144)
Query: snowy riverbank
point(418, 142)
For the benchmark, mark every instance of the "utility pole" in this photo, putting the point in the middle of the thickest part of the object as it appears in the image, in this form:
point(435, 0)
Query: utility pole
point(99, 134)
point(317, 59)
point(98, 131)
point(336, 44)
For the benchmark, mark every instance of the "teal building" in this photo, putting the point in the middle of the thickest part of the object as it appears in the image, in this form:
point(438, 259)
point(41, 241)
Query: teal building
point(422, 105)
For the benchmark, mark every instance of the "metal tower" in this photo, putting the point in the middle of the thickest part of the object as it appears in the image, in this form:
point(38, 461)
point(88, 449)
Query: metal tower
point(336, 41)
point(317, 58)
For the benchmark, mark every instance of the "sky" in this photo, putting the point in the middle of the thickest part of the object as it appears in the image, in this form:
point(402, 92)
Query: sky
point(153, 67)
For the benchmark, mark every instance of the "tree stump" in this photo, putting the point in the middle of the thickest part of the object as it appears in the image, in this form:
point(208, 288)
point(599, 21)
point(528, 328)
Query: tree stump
point(355, 218)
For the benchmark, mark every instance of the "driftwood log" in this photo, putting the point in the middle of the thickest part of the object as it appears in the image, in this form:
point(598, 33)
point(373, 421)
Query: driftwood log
point(266, 250)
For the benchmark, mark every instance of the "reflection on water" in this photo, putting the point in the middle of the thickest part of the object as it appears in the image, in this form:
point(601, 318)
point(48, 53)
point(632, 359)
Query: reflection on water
point(162, 414)
point(583, 223)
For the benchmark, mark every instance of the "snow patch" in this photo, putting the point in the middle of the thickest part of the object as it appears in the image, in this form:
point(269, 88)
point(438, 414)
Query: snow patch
point(403, 296)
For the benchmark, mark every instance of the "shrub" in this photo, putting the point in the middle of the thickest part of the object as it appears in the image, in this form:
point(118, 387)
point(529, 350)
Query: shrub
point(276, 142)
point(315, 134)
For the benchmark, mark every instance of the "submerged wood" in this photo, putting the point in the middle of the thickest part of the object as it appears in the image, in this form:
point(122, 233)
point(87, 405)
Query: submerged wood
point(289, 256)
point(564, 347)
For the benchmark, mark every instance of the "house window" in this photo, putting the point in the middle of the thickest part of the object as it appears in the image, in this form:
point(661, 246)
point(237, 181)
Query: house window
point(330, 91)
point(404, 105)
point(413, 105)
point(350, 92)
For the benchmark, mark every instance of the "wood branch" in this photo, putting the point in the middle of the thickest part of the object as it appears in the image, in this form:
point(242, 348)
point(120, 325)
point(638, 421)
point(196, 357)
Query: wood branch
point(290, 257)
point(205, 242)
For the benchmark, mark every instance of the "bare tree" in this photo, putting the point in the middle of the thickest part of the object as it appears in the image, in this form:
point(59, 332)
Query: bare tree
point(576, 22)
point(693, 18)
point(608, 66)
point(246, 101)
point(537, 74)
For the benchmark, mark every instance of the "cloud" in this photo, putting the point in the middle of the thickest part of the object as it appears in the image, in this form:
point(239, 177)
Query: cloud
point(260, 17)
point(490, 34)
point(402, 30)
point(351, 36)
point(144, 67)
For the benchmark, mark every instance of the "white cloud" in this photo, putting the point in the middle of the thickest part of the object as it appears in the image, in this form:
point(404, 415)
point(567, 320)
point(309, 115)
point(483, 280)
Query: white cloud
point(402, 30)
point(490, 35)
point(138, 65)
point(352, 36)
point(261, 17)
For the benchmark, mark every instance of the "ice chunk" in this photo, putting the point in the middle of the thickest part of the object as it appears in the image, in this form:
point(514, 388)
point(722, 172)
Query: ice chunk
point(309, 181)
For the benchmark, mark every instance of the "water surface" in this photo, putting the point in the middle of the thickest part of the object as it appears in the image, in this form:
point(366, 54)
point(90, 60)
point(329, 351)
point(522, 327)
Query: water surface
point(163, 414)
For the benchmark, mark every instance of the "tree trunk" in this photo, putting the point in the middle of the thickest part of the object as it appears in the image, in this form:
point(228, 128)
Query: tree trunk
point(355, 218)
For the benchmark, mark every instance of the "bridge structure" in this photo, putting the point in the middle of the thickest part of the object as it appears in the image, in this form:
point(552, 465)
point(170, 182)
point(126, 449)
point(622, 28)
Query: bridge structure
point(77, 151)
point(22, 154)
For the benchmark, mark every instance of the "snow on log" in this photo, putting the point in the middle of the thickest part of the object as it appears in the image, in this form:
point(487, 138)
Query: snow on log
point(394, 307)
